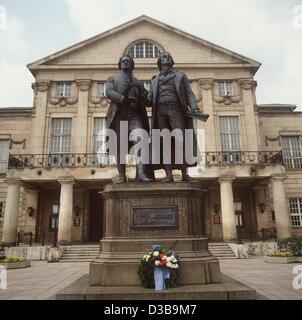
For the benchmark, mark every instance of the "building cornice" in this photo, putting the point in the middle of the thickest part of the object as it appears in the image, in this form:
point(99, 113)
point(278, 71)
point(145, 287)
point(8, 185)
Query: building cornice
point(15, 111)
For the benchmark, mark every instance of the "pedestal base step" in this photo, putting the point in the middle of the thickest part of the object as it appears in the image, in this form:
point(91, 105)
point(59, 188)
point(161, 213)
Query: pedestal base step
point(229, 289)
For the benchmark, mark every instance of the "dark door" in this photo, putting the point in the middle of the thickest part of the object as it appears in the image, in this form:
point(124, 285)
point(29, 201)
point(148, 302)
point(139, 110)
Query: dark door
point(96, 216)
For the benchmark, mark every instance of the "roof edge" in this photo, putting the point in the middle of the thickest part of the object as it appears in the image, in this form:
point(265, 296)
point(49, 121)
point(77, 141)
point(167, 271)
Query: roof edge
point(95, 38)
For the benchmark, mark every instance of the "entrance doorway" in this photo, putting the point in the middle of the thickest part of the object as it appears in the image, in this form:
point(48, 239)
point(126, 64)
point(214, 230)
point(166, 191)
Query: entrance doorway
point(96, 216)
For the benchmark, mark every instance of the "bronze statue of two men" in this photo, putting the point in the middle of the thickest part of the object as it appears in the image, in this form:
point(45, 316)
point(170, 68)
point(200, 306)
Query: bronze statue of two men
point(171, 98)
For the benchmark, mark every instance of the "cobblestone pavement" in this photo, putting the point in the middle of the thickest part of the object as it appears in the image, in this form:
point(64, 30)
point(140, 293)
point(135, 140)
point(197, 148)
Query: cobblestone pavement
point(42, 281)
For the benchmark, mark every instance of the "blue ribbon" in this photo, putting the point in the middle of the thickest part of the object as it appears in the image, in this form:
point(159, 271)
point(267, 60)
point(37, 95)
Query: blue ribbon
point(161, 274)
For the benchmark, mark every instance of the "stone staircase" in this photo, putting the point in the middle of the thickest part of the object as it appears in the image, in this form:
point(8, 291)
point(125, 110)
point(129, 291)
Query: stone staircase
point(80, 253)
point(221, 251)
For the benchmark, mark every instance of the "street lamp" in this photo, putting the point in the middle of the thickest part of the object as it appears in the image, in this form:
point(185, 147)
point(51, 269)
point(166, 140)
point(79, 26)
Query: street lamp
point(238, 206)
point(55, 208)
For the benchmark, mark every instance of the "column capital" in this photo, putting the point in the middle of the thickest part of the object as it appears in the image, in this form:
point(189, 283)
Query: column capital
point(206, 84)
point(66, 180)
point(247, 84)
point(13, 180)
point(278, 177)
point(229, 179)
point(83, 85)
point(41, 86)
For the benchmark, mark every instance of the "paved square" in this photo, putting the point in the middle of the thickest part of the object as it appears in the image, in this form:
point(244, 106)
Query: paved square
point(42, 281)
point(272, 281)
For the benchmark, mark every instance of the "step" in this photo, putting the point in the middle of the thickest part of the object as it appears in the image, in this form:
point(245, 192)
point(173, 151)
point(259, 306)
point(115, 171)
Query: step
point(211, 247)
point(78, 261)
point(72, 250)
point(87, 248)
point(82, 252)
point(80, 255)
point(77, 258)
point(221, 252)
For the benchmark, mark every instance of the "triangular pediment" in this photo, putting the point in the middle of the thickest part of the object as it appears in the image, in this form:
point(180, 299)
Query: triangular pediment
point(106, 48)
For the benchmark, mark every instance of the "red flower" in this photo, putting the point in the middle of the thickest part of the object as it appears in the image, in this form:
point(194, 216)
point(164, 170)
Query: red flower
point(162, 255)
point(162, 264)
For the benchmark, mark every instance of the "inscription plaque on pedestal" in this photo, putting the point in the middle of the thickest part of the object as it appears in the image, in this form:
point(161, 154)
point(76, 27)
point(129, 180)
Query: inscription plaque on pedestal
point(155, 217)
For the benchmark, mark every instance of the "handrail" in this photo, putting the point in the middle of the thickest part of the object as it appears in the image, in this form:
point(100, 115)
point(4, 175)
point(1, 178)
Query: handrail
point(73, 160)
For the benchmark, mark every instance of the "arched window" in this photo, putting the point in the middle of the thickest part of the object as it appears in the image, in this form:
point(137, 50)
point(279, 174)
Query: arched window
point(144, 49)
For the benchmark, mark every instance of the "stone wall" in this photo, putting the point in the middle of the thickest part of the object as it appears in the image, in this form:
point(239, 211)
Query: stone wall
point(31, 253)
point(256, 249)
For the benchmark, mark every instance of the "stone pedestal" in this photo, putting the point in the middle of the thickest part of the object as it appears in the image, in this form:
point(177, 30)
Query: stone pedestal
point(138, 216)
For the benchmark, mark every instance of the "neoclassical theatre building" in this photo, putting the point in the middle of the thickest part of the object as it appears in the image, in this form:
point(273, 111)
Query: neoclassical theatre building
point(51, 174)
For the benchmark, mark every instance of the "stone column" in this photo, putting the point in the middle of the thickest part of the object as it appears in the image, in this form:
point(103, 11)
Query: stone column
point(82, 117)
point(66, 211)
point(41, 92)
point(10, 226)
point(227, 209)
point(251, 125)
point(281, 207)
point(207, 98)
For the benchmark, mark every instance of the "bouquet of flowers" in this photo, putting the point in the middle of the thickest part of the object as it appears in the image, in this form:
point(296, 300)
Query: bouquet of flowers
point(159, 269)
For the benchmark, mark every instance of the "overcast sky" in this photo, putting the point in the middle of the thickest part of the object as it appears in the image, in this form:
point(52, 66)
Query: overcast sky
point(268, 31)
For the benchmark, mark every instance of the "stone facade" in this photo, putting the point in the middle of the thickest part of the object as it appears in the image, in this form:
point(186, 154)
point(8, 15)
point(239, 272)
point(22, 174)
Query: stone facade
point(261, 184)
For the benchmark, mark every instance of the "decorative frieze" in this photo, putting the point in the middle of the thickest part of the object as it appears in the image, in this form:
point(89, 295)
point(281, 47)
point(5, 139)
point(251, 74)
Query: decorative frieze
point(84, 85)
point(227, 100)
point(268, 139)
point(206, 84)
point(41, 86)
point(12, 142)
point(62, 101)
point(247, 84)
point(103, 101)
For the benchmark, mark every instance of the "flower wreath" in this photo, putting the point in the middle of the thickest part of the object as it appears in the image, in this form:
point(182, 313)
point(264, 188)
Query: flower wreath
point(159, 257)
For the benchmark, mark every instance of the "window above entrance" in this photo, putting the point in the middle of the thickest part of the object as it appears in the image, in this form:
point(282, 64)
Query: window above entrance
point(143, 49)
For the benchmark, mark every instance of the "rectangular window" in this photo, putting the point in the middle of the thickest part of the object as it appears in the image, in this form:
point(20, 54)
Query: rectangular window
point(100, 154)
point(226, 88)
point(63, 90)
point(292, 152)
point(4, 155)
point(140, 50)
point(101, 90)
point(230, 139)
point(295, 205)
point(149, 50)
point(60, 142)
